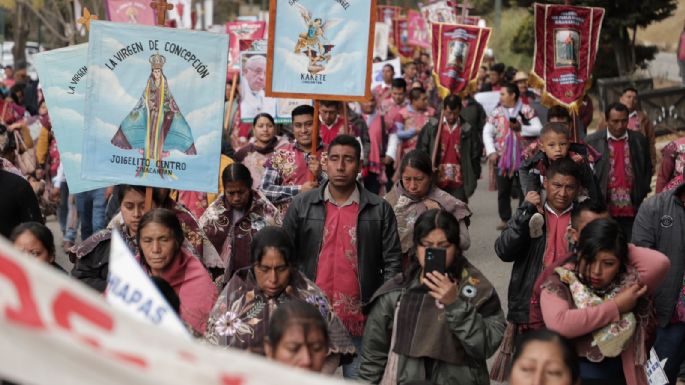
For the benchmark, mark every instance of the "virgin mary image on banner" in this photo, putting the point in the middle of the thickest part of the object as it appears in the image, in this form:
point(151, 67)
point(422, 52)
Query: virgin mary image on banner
point(156, 124)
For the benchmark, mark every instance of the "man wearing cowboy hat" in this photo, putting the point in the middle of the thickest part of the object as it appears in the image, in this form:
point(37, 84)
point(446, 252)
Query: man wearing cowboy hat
point(521, 80)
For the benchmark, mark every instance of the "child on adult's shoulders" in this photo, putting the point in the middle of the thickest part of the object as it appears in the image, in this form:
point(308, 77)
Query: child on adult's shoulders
point(555, 143)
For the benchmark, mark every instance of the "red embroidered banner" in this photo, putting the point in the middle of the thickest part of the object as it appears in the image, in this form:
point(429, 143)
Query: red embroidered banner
point(418, 30)
point(457, 53)
point(400, 29)
point(566, 40)
point(388, 13)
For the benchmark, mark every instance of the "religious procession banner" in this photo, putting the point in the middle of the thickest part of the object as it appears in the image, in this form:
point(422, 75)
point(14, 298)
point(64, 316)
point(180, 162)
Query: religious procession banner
point(252, 45)
point(62, 74)
point(320, 49)
point(566, 42)
point(241, 30)
point(417, 30)
point(400, 30)
point(180, 16)
point(388, 13)
point(253, 99)
point(130, 11)
point(380, 41)
point(457, 54)
point(154, 106)
point(439, 12)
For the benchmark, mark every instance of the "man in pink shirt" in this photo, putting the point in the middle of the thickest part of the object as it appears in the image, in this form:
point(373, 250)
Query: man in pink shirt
point(346, 238)
point(382, 91)
point(390, 109)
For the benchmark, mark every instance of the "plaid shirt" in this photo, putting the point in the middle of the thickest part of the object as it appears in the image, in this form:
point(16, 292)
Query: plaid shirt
point(272, 188)
point(272, 182)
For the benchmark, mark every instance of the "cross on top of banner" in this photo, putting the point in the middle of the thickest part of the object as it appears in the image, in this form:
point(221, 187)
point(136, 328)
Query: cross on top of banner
point(86, 18)
point(465, 7)
point(161, 6)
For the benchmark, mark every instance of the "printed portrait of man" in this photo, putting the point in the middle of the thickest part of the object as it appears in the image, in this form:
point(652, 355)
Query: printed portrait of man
point(254, 100)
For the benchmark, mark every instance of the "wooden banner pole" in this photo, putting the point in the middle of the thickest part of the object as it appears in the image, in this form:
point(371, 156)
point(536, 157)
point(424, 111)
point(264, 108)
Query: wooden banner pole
point(148, 199)
point(231, 97)
point(438, 134)
point(315, 136)
point(160, 6)
point(574, 126)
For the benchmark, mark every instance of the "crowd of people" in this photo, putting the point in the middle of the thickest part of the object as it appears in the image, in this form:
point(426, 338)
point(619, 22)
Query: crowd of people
point(348, 250)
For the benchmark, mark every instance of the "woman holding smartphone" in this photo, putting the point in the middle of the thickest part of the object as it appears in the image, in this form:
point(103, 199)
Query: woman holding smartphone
point(439, 321)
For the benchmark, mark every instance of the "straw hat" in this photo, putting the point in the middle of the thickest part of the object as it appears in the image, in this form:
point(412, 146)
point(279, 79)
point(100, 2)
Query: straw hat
point(520, 75)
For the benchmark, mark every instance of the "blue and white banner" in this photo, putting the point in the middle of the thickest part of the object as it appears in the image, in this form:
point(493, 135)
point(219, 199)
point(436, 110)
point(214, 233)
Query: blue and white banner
point(62, 74)
point(321, 49)
point(154, 106)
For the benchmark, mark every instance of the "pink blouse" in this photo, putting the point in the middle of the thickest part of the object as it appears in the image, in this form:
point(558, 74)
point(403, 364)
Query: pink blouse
point(571, 322)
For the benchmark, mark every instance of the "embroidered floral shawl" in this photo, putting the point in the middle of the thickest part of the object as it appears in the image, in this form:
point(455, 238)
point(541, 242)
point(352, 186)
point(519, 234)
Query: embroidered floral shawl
point(233, 240)
point(612, 339)
point(240, 317)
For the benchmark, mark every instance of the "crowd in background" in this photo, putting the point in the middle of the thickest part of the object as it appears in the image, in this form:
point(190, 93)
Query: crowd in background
point(320, 259)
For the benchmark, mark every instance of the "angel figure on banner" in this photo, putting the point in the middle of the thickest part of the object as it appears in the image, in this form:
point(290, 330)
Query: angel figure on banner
point(316, 45)
point(156, 125)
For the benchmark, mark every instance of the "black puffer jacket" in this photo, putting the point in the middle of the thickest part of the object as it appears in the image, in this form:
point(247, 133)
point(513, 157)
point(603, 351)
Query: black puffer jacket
point(378, 245)
point(516, 245)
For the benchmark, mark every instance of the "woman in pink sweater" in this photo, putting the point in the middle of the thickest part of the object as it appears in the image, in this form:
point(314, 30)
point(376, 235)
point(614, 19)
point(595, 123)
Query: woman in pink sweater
point(601, 299)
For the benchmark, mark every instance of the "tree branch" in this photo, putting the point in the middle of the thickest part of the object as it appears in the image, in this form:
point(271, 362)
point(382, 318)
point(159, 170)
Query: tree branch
point(46, 22)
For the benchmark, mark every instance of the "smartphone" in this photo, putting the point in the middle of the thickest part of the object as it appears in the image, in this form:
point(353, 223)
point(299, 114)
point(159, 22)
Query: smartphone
point(435, 260)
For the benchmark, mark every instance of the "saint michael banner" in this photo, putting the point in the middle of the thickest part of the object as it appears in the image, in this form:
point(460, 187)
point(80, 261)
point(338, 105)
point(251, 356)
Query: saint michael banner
point(457, 53)
point(63, 75)
point(320, 49)
point(154, 106)
point(566, 41)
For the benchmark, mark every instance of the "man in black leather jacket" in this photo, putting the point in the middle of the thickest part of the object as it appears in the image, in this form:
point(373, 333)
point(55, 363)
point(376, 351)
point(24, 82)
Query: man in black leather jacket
point(340, 230)
point(528, 254)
